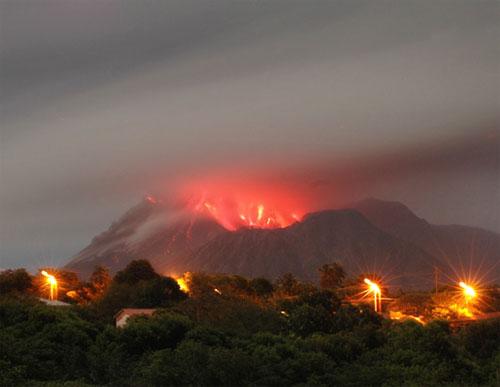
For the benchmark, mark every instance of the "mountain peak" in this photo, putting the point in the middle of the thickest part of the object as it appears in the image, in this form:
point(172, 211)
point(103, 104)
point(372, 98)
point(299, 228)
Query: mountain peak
point(387, 214)
point(370, 234)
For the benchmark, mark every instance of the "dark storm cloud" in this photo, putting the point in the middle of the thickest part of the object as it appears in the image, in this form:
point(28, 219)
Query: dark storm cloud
point(474, 152)
point(105, 101)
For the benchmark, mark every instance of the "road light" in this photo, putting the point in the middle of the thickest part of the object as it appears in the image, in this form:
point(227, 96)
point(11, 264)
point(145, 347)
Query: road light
point(51, 280)
point(468, 291)
point(377, 294)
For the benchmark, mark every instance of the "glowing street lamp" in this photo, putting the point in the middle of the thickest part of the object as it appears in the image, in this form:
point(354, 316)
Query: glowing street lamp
point(468, 291)
point(377, 294)
point(51, 280)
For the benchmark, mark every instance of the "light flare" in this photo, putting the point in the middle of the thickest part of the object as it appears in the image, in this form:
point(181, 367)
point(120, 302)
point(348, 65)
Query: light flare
point(377, 294)
point(52, 281)
point(469, 291)
point(183, 282)
point(400, 316)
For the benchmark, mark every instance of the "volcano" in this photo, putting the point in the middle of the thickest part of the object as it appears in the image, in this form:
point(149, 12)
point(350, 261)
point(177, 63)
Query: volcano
point(151, 231)
point(372, 237)
point(467, 252)
point(344, 236)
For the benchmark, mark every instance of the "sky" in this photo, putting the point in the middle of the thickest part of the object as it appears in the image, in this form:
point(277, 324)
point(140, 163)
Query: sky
point(103, 102)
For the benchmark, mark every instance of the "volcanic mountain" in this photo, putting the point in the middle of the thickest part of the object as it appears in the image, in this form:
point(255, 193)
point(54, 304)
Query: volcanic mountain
point(151, 231)
point(345, 236)
point(466, 251)
point(178, 241)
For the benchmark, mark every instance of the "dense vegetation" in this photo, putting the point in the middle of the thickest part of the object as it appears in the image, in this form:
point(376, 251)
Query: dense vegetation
point(228, 331)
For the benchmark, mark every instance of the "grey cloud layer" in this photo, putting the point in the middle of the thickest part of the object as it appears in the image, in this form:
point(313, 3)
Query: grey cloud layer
point(104, 101)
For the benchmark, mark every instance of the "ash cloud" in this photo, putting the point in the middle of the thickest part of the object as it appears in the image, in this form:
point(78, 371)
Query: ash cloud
point(103, 102)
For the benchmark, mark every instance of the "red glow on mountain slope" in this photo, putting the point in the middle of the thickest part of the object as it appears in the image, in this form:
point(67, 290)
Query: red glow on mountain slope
point(234, 207)
point(233, 214)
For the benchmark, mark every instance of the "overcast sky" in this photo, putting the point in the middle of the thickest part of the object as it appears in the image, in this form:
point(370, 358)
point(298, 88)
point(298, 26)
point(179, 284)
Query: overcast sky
point(105, 101)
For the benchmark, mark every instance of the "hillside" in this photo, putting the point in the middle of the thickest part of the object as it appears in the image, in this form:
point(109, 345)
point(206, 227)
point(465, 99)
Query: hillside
point(175, 241)
point(463, 250)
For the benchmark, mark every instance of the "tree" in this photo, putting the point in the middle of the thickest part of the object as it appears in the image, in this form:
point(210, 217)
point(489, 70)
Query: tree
point(15, 281)
point(100, 280)
point(331, 276)
point(306, 319)
point(288, 284)
point(160, 291)
point(139, 286)
point(261, 286)
point(138, 270)
point(162, 330)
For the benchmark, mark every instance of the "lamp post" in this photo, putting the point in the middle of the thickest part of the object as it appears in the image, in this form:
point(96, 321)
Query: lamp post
point(51, 280)
point(468, 291)
point(377, 294)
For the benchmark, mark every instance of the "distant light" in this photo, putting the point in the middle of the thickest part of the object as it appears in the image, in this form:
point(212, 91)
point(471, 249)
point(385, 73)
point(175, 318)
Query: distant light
point(182, 284)
point(377, 294)
point(468, 290)
point(51, 280)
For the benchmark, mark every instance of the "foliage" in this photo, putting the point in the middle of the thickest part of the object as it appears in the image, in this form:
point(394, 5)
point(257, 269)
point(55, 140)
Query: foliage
point(137, 286)
point(93, 290)
point(331, 276)
point(261, 286)
point(289, 285)
point(247, 333)
point(15, 281)
point(138, 270)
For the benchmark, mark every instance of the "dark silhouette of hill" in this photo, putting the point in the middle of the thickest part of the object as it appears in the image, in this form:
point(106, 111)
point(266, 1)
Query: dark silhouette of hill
point(345, 236)
point(147, 231)
point(464, 251)
point(175, 242)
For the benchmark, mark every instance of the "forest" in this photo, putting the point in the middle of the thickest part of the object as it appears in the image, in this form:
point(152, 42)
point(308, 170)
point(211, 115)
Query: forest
point(226, 330)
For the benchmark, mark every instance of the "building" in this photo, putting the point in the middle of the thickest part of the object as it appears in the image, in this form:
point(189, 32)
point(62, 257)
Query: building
point(123, 315)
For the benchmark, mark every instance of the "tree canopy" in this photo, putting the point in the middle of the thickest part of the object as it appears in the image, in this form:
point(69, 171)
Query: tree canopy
point(229, 330)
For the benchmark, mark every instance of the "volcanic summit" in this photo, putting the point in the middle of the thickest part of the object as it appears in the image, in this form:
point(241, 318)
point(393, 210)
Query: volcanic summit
point(371, 236)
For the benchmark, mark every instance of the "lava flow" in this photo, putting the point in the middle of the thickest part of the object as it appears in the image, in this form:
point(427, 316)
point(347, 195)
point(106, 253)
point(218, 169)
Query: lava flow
point(244, 201)
point(250, 215)
point(234, 213)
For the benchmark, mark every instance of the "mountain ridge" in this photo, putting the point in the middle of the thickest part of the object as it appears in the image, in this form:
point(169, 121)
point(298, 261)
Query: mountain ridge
point(369, 236)
point(457, 246)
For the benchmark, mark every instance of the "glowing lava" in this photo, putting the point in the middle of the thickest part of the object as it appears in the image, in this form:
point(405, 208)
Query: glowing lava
point(245, 201)
point(233, 215)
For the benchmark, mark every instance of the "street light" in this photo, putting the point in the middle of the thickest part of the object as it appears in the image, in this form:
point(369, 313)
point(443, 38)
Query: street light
point(377, 294)
point(51, 280)
point(468, 291)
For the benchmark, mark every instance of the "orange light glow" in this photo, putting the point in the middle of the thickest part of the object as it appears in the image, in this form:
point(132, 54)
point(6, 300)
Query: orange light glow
point(183, 283)
point(377, 294)
point(233, 216)
point(468, 290)
point(51, 280)
point(461, 311)
point(245, 202)
point(396, 315)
